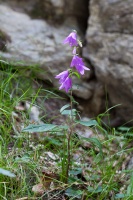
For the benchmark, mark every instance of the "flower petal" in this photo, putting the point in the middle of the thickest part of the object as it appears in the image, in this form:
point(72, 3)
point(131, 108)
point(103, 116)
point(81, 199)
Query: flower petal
point(67, 84)
point(71, 39)
point(78, 63)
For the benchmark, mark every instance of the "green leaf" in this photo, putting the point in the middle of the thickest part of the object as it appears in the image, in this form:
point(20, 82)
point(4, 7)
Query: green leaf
point(65, 127)
point(71, 192)
point(76, 171)
point(74, 180)
point(128, 134)
point(92, 190)
point(130, 186)
point(24, 159)
point(93, 177)
point(123, 128)
point(54, 141)
point(120, 196)
point(88, 123)
point(72, 112)
point(7, 173)
point(39, 128)
point(64, 107)
point(77, 74)
point(4, 61)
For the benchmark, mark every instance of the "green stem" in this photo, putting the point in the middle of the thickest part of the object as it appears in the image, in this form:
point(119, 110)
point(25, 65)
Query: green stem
point(69, 141)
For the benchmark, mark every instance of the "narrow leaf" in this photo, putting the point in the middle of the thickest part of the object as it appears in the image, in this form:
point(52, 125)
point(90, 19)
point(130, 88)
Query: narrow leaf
point(72, 112)
point(39, 128)
point(4, 61)
point(54, 141)
point(88, 123)
point(122, 128)
point(76, 74)
point(64, 107)
point(120, 196)
point(7, 173)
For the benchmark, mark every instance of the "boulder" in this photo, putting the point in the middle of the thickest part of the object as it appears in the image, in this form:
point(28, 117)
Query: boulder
point(110, 50)
point(26, 41)
point(54, 11)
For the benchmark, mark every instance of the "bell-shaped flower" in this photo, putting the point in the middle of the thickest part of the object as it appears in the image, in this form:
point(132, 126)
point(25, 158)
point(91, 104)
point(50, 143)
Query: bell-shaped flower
point(78, 64)
point(67, 84)
point(71, 39)
point(62, 76)
point(64, 80)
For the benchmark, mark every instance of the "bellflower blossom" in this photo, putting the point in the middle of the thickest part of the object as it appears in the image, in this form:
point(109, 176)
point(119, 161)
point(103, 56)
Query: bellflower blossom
point(62, 76)
point(67, 84)
point(78, 64)
point(64, 80)
point(71, 39)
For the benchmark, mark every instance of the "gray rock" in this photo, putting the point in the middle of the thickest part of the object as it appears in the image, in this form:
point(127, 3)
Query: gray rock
point(35, 42)
point(54, 11)
point(110, 49)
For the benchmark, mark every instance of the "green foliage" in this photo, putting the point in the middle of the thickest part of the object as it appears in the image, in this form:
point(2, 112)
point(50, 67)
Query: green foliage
point(74, 193)
point(98, 163)
point(88, 123)
point(76, 74)
point(39, 128)
point(6, 173)
point(64, 107)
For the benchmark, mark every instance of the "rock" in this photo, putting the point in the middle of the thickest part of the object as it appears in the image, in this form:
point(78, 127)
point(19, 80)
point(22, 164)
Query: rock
point(38, 42)
point(54, 11)
point(95, 103)
point(38, 189)
point(83, 89)
point(35, 42)
point(110, 48)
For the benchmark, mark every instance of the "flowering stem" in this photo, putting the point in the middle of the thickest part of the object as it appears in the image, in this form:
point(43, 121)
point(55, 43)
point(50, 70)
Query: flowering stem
point(69, 140)
point(65, 80)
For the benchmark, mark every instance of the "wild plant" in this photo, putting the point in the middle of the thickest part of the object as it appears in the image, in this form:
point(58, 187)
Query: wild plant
point(77, 68)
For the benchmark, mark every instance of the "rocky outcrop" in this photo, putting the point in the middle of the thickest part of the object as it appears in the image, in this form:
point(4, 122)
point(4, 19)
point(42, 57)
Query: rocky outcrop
point(36, 42)
point(110, 50)
point(54, 11)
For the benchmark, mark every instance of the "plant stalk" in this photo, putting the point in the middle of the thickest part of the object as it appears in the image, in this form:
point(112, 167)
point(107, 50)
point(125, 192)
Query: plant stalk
point(69, 141)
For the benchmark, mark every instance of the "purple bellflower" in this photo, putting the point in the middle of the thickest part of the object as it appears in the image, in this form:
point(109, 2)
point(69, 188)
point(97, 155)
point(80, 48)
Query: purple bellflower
point(78, 64)
point(67, 84)
point(62, 76)
point(64, 80)
point(71, 39)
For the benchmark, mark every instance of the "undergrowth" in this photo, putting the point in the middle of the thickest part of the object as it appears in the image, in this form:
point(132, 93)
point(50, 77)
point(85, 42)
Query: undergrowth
point(99, 166)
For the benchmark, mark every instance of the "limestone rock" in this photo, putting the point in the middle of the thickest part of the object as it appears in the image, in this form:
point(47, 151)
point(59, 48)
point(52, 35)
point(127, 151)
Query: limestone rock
point(36, 42)
point(55, 11)
point(110, 50)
